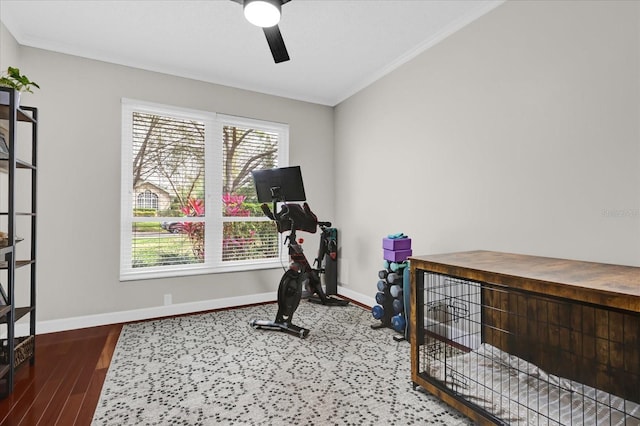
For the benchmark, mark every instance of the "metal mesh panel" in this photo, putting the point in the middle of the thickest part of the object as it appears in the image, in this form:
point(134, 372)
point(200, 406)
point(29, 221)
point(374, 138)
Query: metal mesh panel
point(526, 359)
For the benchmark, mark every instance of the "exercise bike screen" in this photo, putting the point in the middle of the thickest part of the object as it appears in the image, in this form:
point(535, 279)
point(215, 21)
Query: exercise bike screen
point(287, 181)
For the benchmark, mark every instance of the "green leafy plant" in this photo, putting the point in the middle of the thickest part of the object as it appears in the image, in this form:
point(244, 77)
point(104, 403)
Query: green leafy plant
point(12, 78)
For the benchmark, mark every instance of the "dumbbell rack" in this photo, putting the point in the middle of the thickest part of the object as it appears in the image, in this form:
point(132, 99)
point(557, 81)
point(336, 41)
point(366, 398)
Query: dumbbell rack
point(390, 308)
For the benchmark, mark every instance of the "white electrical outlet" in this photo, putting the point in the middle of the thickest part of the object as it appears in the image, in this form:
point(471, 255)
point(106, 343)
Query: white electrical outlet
point(168, 299)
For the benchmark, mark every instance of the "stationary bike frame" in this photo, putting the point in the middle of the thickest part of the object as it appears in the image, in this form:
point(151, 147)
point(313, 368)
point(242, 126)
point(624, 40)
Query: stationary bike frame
point(299, 272)
point(306, 273)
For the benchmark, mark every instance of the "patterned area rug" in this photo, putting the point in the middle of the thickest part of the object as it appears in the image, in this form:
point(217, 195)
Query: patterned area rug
point(214, 368)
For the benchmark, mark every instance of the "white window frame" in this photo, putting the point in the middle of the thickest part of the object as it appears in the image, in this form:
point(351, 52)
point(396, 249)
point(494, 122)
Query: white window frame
point(213, 218)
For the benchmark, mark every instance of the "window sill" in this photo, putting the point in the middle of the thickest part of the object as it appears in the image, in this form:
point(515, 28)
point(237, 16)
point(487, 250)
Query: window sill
point(191, 270)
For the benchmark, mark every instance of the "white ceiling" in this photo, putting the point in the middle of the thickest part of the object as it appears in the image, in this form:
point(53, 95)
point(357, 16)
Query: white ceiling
point(337, 47)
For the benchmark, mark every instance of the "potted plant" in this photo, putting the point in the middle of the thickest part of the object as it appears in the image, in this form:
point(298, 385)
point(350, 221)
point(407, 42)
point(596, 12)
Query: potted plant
point(21, 83)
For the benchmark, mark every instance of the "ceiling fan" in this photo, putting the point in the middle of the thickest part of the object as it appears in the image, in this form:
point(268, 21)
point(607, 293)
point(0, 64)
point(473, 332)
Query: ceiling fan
point(266, 14)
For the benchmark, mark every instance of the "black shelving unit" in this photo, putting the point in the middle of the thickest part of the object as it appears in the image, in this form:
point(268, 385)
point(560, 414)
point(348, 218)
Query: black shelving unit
point(20, 125)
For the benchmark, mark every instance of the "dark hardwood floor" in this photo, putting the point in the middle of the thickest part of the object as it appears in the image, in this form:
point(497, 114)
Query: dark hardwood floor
point(64, 384)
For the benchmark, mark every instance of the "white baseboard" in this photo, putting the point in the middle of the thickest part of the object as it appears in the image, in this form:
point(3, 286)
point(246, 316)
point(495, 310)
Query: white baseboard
point(74, 323)
point(358, 297)
point(52, 326)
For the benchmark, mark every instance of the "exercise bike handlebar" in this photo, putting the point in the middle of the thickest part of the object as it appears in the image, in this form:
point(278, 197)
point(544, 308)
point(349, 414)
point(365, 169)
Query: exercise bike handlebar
point(284, 216)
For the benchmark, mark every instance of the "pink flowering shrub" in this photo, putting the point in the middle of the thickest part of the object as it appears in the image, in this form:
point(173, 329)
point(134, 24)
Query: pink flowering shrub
point(238, 237)
point(233, 205)
point(195, 230)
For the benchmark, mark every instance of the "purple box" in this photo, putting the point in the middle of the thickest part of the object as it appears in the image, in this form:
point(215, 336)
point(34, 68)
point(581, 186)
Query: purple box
point(396, 244)
point(397, 255)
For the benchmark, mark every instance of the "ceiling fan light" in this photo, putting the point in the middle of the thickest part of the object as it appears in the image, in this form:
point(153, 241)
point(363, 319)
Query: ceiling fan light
point(262, 13)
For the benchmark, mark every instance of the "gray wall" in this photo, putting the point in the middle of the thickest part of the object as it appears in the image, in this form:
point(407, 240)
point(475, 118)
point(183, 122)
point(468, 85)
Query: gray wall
point(79, 178)
point(8, 49)
point(519, 133)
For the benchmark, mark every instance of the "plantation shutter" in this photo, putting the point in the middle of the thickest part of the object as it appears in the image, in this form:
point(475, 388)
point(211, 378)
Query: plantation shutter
point(189, 204)
point(167, 187)
point(247, 145)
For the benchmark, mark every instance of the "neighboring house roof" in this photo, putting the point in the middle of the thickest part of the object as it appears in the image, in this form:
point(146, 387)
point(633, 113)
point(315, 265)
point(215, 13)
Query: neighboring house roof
point(146, 185)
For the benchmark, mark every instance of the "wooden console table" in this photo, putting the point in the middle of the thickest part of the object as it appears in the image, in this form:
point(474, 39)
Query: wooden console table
point(574, 319)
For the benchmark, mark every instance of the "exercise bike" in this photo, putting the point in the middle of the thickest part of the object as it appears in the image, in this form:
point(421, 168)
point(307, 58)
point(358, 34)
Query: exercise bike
point(294, 217)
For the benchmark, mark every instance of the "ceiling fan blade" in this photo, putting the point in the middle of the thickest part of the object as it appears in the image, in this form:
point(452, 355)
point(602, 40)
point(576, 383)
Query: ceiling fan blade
point(276, 44)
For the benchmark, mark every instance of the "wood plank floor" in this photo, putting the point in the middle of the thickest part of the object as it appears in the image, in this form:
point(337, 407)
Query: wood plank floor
point(63, 386)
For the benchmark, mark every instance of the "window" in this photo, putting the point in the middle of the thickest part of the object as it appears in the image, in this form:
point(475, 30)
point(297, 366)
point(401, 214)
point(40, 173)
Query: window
point(147, 200)
point(189, 204)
